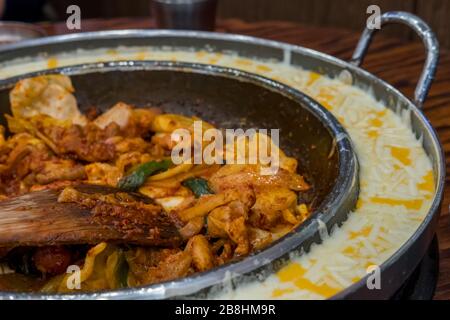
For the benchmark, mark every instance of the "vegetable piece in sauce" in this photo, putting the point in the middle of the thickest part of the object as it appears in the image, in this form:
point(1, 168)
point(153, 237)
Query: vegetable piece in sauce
point(198, 186)
point(122, 273)
point(117, 270)
point(134, 180)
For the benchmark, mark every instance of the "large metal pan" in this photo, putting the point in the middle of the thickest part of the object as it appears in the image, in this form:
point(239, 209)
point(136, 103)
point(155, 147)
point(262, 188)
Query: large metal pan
point(399, 267)
point(225, 96)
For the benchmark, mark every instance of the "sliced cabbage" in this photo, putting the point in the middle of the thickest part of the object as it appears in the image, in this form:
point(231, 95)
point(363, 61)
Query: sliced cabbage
point(46, 95)
point(120, 113)
point(170, 203)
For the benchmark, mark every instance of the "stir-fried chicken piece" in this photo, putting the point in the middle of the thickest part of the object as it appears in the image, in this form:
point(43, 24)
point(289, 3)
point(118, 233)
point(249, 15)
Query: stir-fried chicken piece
point(127, 161)
point(230, 221)
point(259, 238)
point(269, 206)
point(141, 121)
point(151, 265)
point(60, 169)
point(192, 228)
point(199, 249)
point(223, 249)
point(103, 173)
point(26, 162)
point(87, 143)
point(164, 140)
point(125, 145)
point(236, 176)
point(16, 148)
point(207, 203)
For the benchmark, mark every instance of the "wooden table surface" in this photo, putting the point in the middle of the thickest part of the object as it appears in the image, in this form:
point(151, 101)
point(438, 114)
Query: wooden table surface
point(393, 60)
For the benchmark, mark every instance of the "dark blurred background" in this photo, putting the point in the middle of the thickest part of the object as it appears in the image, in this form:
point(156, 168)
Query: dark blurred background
point(350, 14)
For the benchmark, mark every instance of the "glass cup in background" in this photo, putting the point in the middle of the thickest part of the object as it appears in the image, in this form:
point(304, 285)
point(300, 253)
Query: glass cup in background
point(11, 32)
point(185, 14)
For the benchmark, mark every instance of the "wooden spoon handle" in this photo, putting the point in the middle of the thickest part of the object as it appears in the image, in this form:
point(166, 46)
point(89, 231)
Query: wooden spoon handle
point(38, 219)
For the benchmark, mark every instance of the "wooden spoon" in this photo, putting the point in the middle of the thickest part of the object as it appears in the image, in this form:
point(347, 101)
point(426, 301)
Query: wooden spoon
point(38, 219)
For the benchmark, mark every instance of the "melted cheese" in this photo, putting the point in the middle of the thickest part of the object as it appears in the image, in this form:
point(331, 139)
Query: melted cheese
point(52, 63)
point(402, 154)
point(414, 204)
point(428, 182)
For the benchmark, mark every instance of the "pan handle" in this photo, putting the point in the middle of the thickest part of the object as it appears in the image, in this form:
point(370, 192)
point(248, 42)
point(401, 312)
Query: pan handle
point(423, 31)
